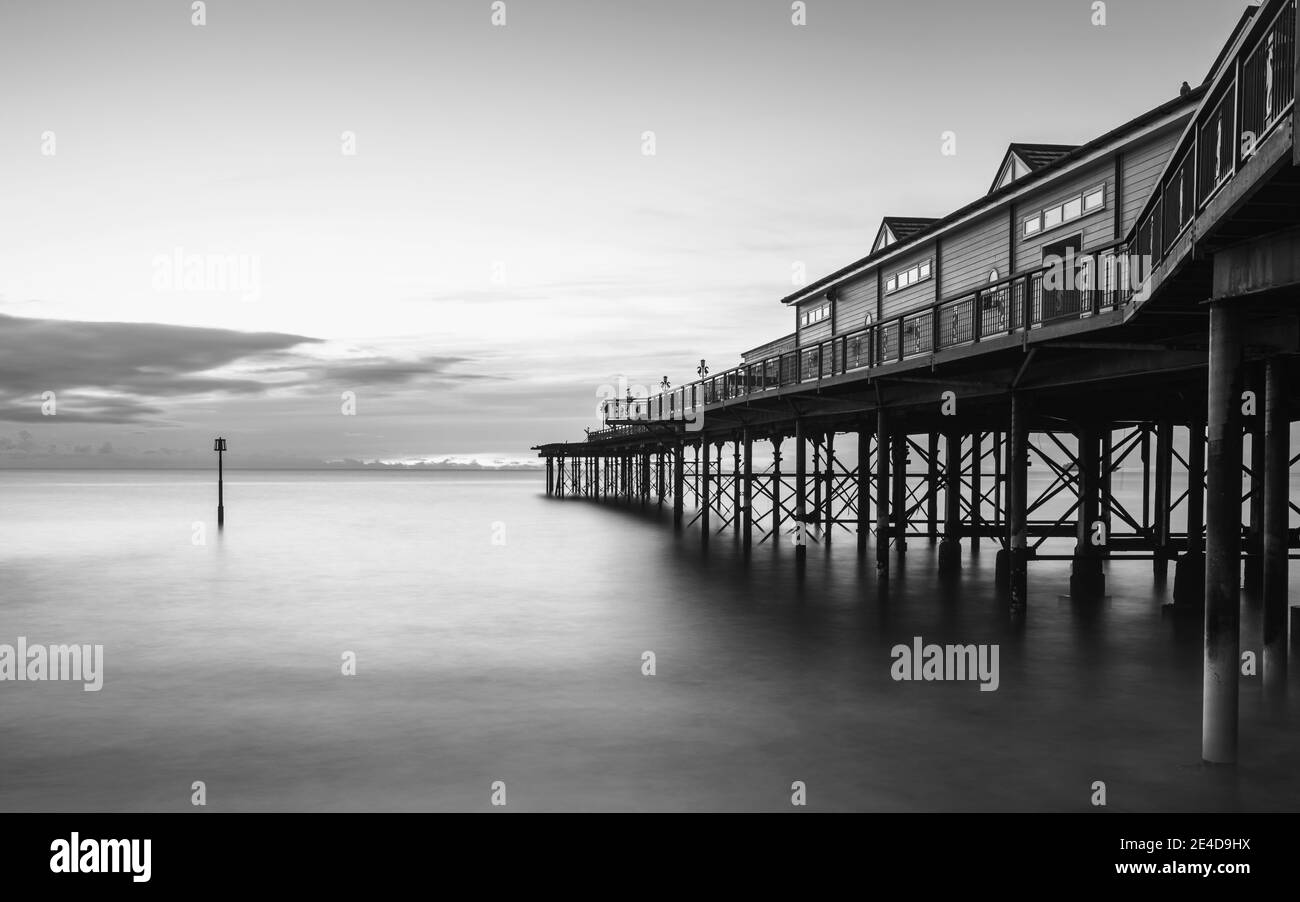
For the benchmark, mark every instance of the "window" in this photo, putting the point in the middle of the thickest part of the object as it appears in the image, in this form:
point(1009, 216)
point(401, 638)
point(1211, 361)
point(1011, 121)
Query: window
point(815, 315)
point(910, 276)
point(1068, 210)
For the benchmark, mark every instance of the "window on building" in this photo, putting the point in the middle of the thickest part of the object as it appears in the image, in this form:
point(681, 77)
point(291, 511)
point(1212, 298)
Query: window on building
point(919, 272)
point(1067, 210)
point(814, 315)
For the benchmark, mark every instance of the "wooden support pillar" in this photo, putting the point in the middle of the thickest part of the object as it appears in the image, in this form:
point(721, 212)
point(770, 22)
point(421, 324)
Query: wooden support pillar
point(1223, 539)
point(776, 488)
point(828, 495)
point(932, 486)
point(697, 474)
point(550, 476)
point(560, 483)
point(815, 515)
point(747, 497)
point(1254, 563)
point(737, 493)
point(1164, 498)
point(679, 484)
point(659, 475)
point(900, 490)
point(950, 547)
point(1107, 486)
point(883, 445)
point(1018, 506)
point(1145, 445)
point(800, 491)
point(976, 489)
point(864, 484)
point(1087, 580)
point(1189, 572)
point(645, 477)
point(705, 507)
point(998, 484)
point(1277, 483)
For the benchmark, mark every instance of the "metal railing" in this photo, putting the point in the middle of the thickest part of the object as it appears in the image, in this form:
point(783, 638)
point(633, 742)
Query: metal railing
point(1251, 95)
point(1083, 285)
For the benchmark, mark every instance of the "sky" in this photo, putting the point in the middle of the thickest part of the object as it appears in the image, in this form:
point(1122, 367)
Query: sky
point(396, 231)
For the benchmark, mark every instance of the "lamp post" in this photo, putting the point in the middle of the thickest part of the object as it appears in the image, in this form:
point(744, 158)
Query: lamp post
point(220, 446)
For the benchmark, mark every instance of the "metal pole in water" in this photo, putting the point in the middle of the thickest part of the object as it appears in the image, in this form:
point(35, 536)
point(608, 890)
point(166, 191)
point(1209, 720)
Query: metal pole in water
point(220, 447)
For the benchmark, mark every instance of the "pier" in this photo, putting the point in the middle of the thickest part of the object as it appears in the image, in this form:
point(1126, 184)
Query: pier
point(1128, 306)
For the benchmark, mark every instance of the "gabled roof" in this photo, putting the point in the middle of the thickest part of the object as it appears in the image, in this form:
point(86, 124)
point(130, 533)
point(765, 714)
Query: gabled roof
point(1176, 105)
point(1022, 159)
point(899, 228)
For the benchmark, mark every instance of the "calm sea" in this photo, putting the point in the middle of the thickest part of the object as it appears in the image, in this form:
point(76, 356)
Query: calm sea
point(499, 636)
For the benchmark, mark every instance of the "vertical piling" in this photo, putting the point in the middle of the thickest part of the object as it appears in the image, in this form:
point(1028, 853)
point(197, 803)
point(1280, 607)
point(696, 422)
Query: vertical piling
point(1253, 577)
point(1222, 539)
point(1018, 505)
point(737, 493)
point(704, 496)
point(864, 484)
point(800, 491)
point(900, 490)
point(1087, 580)
point(679, 484)
point(1189, 572)
point(882, 493)
point(776, 488)
point(950, 547)
point(932, 486)
point(747, 499)
point(1277, 476)
point(828, 494)
point(976, 489)
point(1164, 497)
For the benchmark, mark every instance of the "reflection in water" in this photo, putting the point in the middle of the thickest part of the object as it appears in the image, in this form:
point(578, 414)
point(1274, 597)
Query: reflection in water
point(522, 662)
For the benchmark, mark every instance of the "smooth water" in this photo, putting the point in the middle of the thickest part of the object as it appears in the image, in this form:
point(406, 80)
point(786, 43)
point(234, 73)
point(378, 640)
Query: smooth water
point(520, 660)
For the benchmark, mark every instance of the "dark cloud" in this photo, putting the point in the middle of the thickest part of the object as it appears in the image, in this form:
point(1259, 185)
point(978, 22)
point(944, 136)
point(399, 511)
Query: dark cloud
point(124, 373)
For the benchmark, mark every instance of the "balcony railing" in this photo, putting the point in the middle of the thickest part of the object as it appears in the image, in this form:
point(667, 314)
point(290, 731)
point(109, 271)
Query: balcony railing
point(1097, 282)
point(1252, 93)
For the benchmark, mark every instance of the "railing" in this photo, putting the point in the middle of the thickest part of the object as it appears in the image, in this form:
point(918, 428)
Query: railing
point(1252, 93)
point(1077, 286)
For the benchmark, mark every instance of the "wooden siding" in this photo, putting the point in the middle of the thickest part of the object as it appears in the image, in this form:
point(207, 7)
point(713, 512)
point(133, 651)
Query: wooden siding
point(817, 331)
point(913, 296)
point(973, 252)
point(1143, 166)
point(1097, 227)
point(857, 299)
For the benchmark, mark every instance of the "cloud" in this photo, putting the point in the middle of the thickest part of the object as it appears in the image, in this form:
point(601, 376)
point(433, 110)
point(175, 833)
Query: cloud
point(134, 373)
